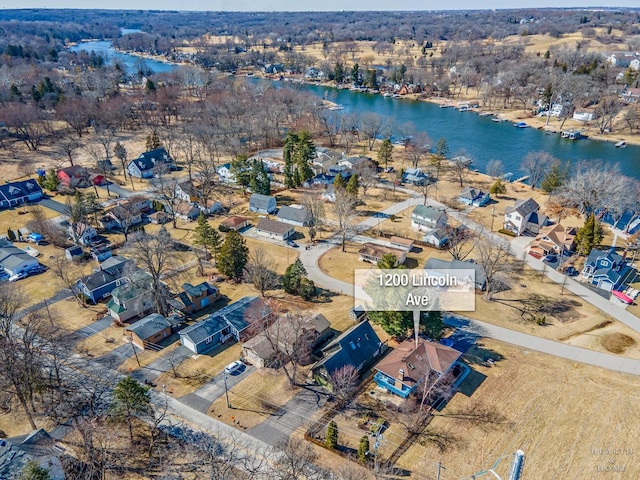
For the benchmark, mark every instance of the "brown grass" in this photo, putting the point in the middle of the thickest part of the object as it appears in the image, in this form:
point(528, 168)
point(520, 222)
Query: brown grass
point(617, 342)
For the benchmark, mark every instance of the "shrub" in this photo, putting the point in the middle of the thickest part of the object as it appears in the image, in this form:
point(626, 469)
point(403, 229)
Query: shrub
point(363, 448)
point(507, 232)
point(332, 435)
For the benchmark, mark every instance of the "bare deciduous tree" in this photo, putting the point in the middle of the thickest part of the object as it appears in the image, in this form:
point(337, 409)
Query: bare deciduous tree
point(460, 166)
point(344, 381)
point(344, 210)
point(536, 165)
point(494, 259)
point(260, 271)
point(372, 127)
point(314, 206)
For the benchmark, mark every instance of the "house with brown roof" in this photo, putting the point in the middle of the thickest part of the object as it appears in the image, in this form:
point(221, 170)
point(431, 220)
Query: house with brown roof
point(272, 229)
point(412, 363)
point(285, 335)
point(553, 239)
point(150, 330)
point(372, 252)
point(235, 223)
point(401, 243)
point(524, 216)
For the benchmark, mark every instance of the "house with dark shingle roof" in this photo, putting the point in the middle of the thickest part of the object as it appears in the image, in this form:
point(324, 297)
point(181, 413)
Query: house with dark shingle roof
point(132, 298)
point(608, 270)
point(297, 216)
point(474, 197)
point(146, 165)
point(150, 330)
point(412, 363)
point(228, 322)
point(358, 347)
point(273, 229)
point(262, 203)
point(195, 298)
point(480, 276)
point(524, 216)
point(112, 273)
point(17, 193)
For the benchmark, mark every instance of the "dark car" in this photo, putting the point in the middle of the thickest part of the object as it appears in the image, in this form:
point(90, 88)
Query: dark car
point(293, 244)
point(571, 271)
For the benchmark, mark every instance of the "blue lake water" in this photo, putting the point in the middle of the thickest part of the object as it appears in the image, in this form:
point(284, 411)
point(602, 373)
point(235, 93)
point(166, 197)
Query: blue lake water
point(130, 62)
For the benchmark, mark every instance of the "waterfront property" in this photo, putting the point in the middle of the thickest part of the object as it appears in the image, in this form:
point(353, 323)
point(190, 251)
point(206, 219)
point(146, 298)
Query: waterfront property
point(426, 217)
point(523, 217)
point(608, 270)
point(415, 363)
point(474, 197)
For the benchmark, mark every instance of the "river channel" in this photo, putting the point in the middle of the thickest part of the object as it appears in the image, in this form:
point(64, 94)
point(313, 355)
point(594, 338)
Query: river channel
point(481, 138)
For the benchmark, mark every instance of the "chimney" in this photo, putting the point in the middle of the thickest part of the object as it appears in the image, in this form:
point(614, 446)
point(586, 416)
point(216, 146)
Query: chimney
point(401, 375)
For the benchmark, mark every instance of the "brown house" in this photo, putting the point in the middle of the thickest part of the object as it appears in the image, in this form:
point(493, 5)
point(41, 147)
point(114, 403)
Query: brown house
point(193, 299)
point(372, 252)
point(235, 223)
point(150, 330)
point(554, 239)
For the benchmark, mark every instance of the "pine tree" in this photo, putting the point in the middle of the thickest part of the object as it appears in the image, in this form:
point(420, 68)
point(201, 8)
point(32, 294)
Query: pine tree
point(11, 235)
point(293, 276)
point(33, 471)
point(556, 177)
point(241, 171)
point(385, 152)
point(332, 435)
point(130, 399)
point(51, 181)
point(431, 324)
point(153, 141)
point(353, 185)
point(363, 448)
point(233, 256)
point(498, 188)
point(589, 235)
point(388, 262)
point(215, 242)
point(339, 183)
point(202, 234)
point(396, 324)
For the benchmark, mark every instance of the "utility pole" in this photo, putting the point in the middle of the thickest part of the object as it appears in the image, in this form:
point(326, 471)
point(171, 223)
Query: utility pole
point(493, 216)
point(134, 351)
point(439, 467)
point(226, 390)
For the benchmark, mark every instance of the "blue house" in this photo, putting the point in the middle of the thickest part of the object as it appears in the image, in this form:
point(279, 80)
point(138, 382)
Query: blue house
point(412, 363)
point(262, 203)
point(358, 347)
point(228, 322)
point(474, 197)
point(113, 272)
point(145, 165)
point(608, 270)
point(17, 193)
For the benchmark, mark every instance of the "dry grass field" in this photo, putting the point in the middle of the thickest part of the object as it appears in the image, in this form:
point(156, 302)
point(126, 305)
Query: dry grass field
point(556, 411)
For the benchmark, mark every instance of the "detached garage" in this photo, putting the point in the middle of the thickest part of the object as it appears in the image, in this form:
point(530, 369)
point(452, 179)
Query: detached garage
point(14, 260)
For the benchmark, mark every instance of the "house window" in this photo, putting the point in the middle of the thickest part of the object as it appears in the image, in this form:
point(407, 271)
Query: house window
point(352, 345)
point(208, 340)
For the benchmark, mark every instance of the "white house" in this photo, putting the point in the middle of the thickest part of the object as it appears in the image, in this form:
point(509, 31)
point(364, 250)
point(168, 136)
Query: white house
point(272, 229)
point(436, 238)
point(14, 260)
point(84, 233)
point(523, 216)
point(584, 114)
point(224, 173)
point(426, 218)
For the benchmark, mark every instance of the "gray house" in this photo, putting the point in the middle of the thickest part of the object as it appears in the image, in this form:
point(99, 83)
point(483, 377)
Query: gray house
point(113, 272)
point(425, 218)
point(474, 197)
point(480, 274)
point(272, 229)
point(15, 260)
point(145, 166)
point(262, 203)
point(228, 322)
point(297, 216)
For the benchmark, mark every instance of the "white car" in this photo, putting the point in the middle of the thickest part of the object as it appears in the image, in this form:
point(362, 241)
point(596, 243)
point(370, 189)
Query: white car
point(234, 367)
point(17, 276)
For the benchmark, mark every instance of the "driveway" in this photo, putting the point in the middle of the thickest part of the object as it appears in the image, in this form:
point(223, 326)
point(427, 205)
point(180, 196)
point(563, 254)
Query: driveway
point(55, 206)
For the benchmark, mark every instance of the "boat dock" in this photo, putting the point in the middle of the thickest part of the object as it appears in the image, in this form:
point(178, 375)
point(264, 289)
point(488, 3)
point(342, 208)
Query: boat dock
point(571, 134)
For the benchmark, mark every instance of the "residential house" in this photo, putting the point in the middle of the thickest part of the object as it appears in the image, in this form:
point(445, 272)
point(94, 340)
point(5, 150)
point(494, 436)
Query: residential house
point(553, 239)
point(121, 217)
point(631, 95)
point(324, 160)
point(112, 273)
point(585, 114)
point(474, 197)
point(436, 238)
point(74, 253)
point(262, 203)
point(414, 363)
point(82, 233)
point(329, 195)
point(235, 223)
point(415, 176)
point(224, 173)
point(15, 260)
point(186, 191)
point(17, 193)
point(373, 253)
point(74, 176)
point(294, 215)
point(273, 229)
point(357, 313)
point(159, 218)
point(557, 110)
point(358, 347)
point(132, 298)
point(148, 163)
point(150, 330)
point(195, 298)
point(101, 253)
point(426, 217)
point(343, 170)
point(357, 164)
point(320, 180)
point(401, 243)
point(39, 447)
point(186, 211)
point(608, 270)
point(228, 322)
point(286, 334)
point(523, 217)
point(479, 274)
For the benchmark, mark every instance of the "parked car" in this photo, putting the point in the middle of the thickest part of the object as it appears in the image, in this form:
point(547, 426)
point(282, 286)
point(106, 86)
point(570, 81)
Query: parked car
point(388, 170)
point(550, 258)
point(17, 276)
point(234, 367)
point(36, 269)
point(292, 244)
point(571, 271)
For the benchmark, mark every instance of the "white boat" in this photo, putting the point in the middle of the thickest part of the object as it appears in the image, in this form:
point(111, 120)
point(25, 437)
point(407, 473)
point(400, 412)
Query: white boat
point(499, 120)
point(464, 108)
point(387, 94)
point(336, 107)
point(621, 144)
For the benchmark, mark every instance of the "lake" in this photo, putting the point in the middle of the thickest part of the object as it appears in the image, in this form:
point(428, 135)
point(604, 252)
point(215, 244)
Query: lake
point(130, 62)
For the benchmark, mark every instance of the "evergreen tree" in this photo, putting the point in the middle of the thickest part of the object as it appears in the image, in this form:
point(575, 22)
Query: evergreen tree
point(11, 235)
point(332, 435)
point(298, 150)
point(396, 324)
point(355, 74)
point(130, 399)
point(233, 256)
point(202, 234)
point(307, 289)
point(431, 324)
point(338, 72)
point(498, 188)
point(363, 448)
point(153, 141)
point(557, 176)
point(389, 261)
point(353, 185)
point(339, 183)
point(440, 155)
point(33, 471)
point(589, 235)
point(293, 276)
point(215, 242)
point(385, 152)
point(51, 181)
point(121, 154)
point(241, 171)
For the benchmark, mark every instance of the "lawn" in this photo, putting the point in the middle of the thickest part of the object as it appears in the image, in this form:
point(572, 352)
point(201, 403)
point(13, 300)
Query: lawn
point(555, 410)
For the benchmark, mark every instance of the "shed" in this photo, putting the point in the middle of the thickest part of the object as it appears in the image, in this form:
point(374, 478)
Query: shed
point(401, 243)
point(74, 253)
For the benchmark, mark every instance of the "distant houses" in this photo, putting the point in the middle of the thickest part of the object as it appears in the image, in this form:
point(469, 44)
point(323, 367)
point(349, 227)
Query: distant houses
point(148, 163)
